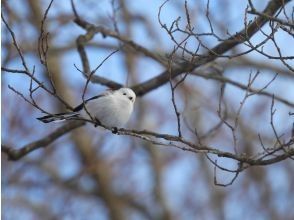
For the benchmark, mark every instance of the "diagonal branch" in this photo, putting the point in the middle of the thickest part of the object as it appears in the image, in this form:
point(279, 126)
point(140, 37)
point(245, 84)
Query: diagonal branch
point(16, 154)
point(239, 38)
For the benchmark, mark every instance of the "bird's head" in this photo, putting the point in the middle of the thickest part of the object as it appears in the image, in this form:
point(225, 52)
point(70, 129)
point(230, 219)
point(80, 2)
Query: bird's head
point(128, 93)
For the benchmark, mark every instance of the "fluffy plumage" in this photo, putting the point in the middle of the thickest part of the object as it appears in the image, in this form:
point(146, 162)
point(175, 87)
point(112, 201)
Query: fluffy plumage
point(112, 108)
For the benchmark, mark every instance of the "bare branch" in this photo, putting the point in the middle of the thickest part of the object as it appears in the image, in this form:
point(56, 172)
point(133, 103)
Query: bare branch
point(16, 154)
point(238, 38)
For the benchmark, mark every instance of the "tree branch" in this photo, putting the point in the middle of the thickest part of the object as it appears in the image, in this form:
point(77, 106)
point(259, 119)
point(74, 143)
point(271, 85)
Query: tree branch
point(16, 154)
point(240, 37)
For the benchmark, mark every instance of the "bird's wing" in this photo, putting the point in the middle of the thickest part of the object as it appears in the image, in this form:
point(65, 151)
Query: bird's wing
point(81, 106)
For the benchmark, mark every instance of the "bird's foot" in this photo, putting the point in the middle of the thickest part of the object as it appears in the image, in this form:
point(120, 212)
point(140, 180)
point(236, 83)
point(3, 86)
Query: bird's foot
point(114, 130)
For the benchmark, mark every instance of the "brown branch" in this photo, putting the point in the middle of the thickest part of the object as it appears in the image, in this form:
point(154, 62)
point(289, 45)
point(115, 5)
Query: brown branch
point(185, 66)
point(40, 85)
point(246, 62)
point(172, 141)
point(83, 40)
point(267, 157)
point(239, 38)
point(16, 154)
point(128, 42)
point(224, 79)
point(280, 21)
point(178, 142)
point(173, 88)
point(24, 64)
point(19, 51)
point(89, 79)
point(43, 47)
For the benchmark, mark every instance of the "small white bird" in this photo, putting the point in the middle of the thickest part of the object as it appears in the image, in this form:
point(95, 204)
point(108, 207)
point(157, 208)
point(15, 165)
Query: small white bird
point(112, 109)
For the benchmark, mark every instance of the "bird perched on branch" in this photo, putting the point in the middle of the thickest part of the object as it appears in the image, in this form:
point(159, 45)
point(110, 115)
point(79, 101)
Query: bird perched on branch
point(112, 109)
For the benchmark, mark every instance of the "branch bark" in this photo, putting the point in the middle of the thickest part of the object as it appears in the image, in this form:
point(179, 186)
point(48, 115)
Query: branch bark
point(16, 154)
point(240, 37)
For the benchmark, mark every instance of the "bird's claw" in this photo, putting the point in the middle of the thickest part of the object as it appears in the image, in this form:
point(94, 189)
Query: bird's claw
point(114, 130)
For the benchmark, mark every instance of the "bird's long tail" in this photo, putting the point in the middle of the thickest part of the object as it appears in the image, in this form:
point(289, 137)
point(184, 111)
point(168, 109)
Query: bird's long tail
point(59, 117)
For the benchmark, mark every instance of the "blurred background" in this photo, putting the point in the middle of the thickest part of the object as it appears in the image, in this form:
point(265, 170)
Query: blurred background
point(90, 173)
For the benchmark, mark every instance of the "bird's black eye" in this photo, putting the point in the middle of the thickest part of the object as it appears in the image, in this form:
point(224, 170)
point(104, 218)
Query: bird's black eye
point(124, 93)
point(130, 98)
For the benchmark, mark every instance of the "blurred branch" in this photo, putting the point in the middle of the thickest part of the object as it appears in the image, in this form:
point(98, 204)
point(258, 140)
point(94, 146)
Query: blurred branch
point(92, 30)
point(176, 141)
point(81, 41)
point(224, 79)
point(244, 62)
point(280, 21)
point(281, 150)
point(238, 38)
point(26, 70)
point(16, 154)
point(173, 141)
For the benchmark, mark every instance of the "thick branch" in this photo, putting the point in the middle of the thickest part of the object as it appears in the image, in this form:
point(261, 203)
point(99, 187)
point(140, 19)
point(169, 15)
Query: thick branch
point(127, 42)
point(240, 37)
point(16, 154)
